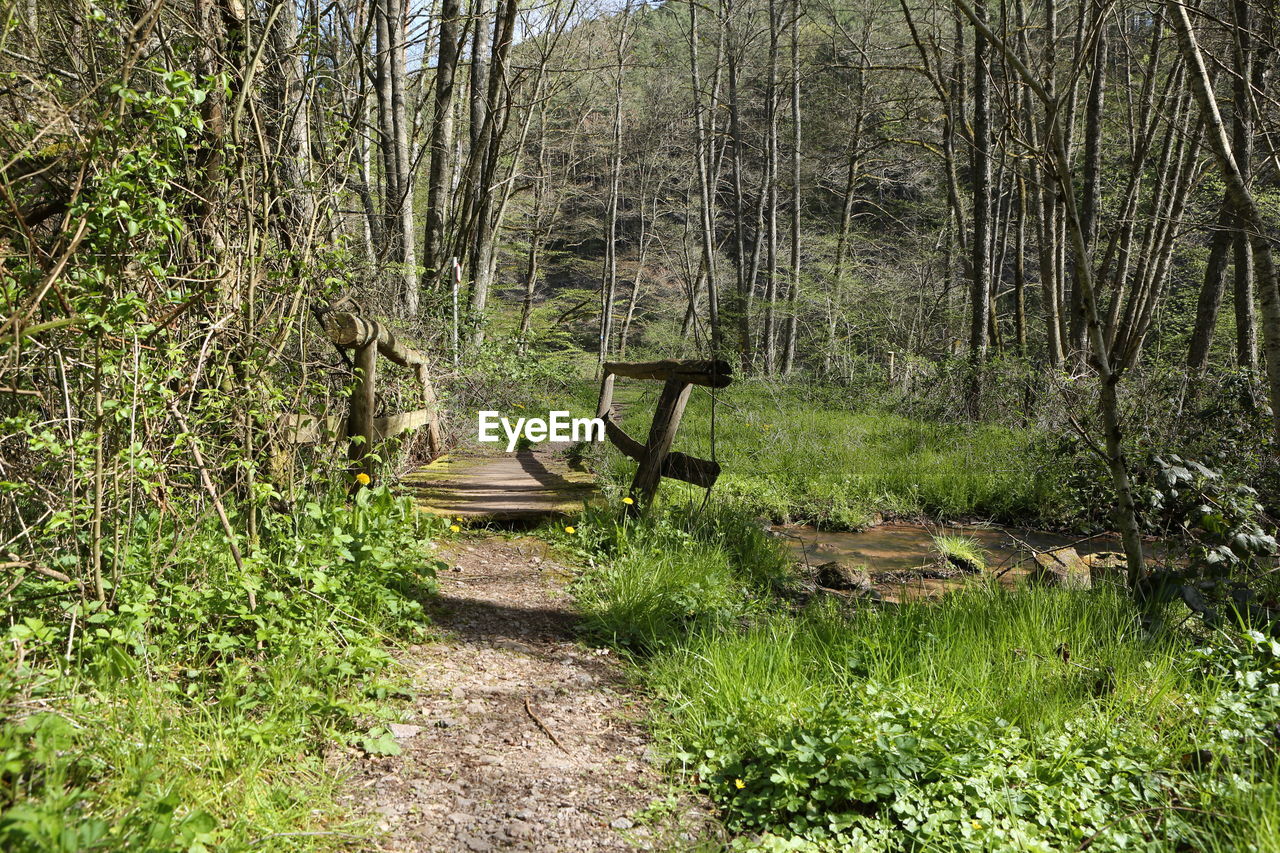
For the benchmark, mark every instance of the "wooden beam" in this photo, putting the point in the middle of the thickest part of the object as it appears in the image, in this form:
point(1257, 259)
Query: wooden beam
point(307, 429)
point(690, 469)
point(606, 397)
point(712, 374)
point(677, 465)
point(351, 330)
point(666, 420)
point(434, 444)
point(396, 424)
point(360, 418)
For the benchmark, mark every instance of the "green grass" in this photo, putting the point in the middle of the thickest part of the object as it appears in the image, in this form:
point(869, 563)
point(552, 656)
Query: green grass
point(793, 458)
point(962, 552)
point(995, 719)
point(181, 719)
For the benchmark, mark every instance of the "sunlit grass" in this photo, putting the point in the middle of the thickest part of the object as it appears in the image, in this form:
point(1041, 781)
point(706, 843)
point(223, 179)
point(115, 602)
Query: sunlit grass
point(793, 460)
point(1043, 693)
point(962, 552)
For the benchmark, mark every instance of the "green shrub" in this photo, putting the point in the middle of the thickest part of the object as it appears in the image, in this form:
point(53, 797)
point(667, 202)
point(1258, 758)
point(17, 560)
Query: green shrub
point(182, 718)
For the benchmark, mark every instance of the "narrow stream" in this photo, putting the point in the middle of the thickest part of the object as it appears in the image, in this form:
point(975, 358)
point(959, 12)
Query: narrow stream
point(900, 557)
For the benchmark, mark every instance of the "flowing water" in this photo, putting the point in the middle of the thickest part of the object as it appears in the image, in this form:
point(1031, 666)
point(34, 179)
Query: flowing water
point(901, 557)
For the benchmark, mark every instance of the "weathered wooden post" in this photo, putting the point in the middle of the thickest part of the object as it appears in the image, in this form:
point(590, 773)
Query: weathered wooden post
point(360, 417)
point(655, 457)
point(370, 339)
point(666, 420)
point(606, 396)
point(429, 402)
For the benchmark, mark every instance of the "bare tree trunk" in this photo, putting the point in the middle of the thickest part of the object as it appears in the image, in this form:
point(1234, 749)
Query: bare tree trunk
point(1268, 285)
point(295, 160)
point(644, 237)
point(768, 334)
point(745, 279)
point(1248, 75)
point(481, 220)
point(706, 185)
point(793, 291)
point(1048, 221)
point(482, 27)
point(1215, 276)
point(439, 179)
point(1019, 268)
point(1092, 189)
point(609, 285)
point(535, 229)
point(980, 266)
point(404, 167)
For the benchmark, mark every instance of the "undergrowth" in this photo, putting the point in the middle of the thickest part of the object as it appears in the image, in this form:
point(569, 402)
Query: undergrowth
point(995, 719)
point(827, 463)
point(181, 716)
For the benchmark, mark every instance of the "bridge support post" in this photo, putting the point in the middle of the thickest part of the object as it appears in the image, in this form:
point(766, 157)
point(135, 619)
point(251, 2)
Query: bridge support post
point(666, 420)
point(360, 418)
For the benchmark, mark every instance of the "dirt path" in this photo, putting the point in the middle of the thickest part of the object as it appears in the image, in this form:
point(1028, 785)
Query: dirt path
point(519, 737)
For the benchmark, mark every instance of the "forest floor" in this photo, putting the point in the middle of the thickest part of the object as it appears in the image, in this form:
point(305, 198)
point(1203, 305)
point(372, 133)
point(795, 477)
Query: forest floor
point(520, 737)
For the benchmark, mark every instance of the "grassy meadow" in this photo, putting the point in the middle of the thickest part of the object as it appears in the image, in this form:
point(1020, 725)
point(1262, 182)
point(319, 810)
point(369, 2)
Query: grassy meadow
point(819, 459)
point(994, 719)
point(1030, 719)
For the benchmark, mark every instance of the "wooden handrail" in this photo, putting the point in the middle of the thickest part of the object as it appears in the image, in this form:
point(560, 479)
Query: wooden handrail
point(712, 373)
point(369, 339)
point(351, 330)
point(655, 457)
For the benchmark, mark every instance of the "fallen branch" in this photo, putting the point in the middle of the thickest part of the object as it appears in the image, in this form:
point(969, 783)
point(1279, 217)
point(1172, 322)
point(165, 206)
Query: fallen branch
point(547, 731)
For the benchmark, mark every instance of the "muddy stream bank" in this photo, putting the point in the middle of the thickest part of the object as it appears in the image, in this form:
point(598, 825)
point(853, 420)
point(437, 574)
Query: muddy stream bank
point(903, 562)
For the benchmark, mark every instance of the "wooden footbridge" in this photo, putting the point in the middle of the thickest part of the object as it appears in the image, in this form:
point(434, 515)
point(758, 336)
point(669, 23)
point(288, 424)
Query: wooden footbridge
point(473, 483)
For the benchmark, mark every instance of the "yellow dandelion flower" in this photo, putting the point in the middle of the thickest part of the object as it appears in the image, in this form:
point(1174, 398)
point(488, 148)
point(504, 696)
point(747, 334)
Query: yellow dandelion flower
point(455, 528)
point(570, 530)
point(362, 478)
point(739, 784)
point(628, 501)
point(976, 824)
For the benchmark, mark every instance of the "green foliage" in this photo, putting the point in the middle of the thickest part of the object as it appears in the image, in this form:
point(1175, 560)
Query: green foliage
point(191, 720)
point(662, 576)
point(994, 719)
point(963, 552)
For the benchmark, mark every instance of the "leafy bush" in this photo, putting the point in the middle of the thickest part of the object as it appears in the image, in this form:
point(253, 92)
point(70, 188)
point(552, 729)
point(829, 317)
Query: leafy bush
point(885, 768)
point(182, 717)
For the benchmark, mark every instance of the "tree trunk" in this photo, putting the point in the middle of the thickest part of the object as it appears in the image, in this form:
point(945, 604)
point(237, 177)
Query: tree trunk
point(439, 178)
point(482, 27)
point(768, 334)
point(407, 256)
point(1092, 190)
point(980, 266)
point(793, 291)
point(1215, 275)
point(705, 165)
point(1248, 74)
point(1241, 196)
point(609, 285)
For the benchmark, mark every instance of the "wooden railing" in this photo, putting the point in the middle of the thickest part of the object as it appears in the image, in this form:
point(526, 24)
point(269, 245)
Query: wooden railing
point(369, 339)
point(655, 456)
